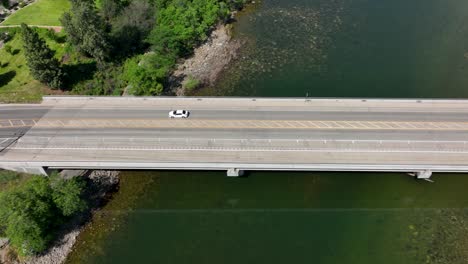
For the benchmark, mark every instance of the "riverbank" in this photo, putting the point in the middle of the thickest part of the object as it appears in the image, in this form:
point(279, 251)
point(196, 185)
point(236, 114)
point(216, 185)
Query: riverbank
point(207, 62)
point(111, 216)
point(99, 188)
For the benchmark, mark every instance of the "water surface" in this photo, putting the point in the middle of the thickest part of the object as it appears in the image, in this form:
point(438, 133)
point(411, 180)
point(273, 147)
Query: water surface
point(332, 48)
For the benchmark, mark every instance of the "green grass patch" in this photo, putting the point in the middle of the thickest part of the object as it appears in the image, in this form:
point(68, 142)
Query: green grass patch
point(191, 84)
point(10, 179)
point(43, 12)
point(16, 83)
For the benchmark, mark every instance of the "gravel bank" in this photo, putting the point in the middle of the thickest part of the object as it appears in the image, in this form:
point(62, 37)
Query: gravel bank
point(207, 62)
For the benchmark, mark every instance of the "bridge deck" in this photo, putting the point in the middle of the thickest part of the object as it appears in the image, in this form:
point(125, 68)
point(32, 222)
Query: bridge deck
point(244, 133)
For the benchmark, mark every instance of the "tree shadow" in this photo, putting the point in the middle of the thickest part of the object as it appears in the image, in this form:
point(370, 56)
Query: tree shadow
point(15, 51)
point(75, 73)
point(7, 77)
point(60, 39)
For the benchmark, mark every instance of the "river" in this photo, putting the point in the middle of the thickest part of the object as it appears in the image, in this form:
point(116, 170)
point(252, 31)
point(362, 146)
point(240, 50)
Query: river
point(315, 48)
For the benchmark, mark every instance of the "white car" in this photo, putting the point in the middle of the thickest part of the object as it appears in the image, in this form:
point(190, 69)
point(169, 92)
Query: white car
point(179, 114)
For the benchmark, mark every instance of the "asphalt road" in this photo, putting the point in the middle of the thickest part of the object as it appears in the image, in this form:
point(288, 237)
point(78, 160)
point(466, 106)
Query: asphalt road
point(346, 132)
point(35, 112)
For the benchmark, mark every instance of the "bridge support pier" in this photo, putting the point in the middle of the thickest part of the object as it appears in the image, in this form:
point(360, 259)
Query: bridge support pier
point(422, 175)
point(234, 172)
point(29, 170)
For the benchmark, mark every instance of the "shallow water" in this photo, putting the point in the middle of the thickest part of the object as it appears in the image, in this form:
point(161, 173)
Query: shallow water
point(339, 48)
point(352, 48)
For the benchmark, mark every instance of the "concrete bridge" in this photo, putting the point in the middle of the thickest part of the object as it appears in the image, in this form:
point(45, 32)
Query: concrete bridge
point(236, 134)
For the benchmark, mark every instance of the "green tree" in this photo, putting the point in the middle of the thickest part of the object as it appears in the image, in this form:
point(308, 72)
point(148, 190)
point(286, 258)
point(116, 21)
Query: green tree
point(30, 212)
point(110, 9)
point(181, 24)
point(67, 195)
point(25, 212)
point(40, 59)
point(86, 30)
point(146, 74)
point(131, 28)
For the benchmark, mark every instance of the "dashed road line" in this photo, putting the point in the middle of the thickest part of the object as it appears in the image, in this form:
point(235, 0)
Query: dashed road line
point(221, 149)
point(3, 140)
point(235, 124)
point(119, 139)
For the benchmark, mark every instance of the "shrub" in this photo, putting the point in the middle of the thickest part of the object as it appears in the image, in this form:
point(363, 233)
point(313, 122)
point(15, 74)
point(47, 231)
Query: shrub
point(182, 24)
point(191, 83)
point(5, 36)
point(146, 75)
point(8, 49)
point(50, 33)
point(7, 176)
point(67, 195)
point(106, 81)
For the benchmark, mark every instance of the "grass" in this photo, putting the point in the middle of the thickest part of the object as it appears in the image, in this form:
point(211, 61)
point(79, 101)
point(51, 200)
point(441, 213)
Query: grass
point(43, 12)
point(16, 83)
point(10, 179)
point(191, 83)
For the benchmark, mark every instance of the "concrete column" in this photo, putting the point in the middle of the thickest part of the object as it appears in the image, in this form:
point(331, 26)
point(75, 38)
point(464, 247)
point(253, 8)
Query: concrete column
point(425, 174)
point(234, 172)
point(29, 170)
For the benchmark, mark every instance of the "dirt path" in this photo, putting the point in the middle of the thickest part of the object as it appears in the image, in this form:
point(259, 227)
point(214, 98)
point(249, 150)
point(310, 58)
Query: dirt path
point(55, 28)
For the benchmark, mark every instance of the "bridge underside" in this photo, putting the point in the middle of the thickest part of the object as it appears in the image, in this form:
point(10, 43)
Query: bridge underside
point(233, 170)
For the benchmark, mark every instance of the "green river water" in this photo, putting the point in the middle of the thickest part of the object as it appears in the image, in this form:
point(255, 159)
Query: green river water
point(332, 48)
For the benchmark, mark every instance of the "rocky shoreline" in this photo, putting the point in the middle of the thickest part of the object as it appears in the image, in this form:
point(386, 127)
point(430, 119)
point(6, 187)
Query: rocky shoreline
point(100, 186)
point(207, 62)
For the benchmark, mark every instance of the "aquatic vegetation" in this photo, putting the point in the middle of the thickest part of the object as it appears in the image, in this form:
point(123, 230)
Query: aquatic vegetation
point(280, 38)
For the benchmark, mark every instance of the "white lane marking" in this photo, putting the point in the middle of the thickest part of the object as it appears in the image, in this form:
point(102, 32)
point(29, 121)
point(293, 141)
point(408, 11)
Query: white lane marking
point(4, 140)
point(261, 139)
point(243, 149)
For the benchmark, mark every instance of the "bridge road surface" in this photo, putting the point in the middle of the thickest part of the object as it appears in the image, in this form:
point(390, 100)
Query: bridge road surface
point(235, 133)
